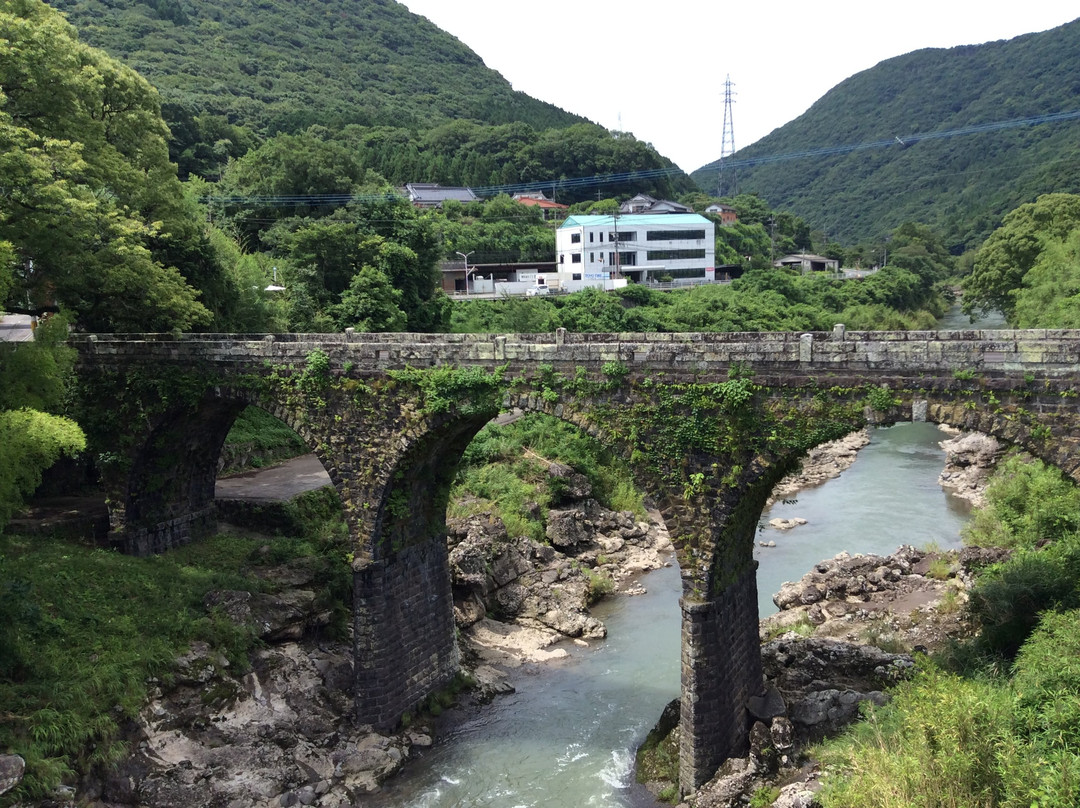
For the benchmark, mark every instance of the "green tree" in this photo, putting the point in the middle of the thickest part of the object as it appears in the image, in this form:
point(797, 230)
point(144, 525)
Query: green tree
point(90, 195)
point(371, 303)
point(33, 436)
point(1004, 260)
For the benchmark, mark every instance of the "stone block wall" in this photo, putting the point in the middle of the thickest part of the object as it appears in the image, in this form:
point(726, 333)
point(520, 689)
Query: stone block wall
point(1044, 350)
point(404, 632)
point(721, 670)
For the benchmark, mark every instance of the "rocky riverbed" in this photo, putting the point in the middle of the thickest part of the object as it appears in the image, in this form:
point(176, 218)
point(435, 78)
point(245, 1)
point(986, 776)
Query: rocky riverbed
point(280, 733)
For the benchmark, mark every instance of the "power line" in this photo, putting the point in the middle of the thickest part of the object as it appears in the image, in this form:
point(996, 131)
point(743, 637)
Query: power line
point(625, 177)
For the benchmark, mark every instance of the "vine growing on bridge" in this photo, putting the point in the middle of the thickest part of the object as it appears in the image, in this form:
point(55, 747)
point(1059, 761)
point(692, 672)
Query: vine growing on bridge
point(471, 390)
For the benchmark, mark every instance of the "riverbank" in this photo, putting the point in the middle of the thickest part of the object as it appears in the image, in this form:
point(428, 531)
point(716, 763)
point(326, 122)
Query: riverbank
point(208, 711)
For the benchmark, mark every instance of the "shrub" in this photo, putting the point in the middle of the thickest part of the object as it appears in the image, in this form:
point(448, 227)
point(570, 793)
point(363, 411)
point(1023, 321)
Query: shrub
point(1008, 600)
point(934, 744)
point(1027, 502)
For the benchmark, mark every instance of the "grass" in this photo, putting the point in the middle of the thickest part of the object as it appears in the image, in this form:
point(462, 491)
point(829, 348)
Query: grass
point(994, 722)
point(266, 438)
point(82, 630)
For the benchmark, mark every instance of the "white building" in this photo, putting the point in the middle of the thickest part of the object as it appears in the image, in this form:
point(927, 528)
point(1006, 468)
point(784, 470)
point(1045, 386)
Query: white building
point(635, 247)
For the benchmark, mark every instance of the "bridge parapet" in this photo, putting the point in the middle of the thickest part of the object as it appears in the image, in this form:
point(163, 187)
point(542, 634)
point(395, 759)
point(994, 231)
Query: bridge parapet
point(1049, 352)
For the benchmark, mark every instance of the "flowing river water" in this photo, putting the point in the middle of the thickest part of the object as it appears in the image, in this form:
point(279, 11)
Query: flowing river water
point(567, 736)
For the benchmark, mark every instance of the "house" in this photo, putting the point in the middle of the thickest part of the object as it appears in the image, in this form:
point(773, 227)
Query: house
point(808, 263)
point(432, 195)
point(643, 203)
point(550, 209)
point(725, 212)
point(636, 247)
point(493, 279)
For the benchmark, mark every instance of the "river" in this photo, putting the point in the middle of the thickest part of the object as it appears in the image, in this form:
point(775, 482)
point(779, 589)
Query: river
point(567, 736)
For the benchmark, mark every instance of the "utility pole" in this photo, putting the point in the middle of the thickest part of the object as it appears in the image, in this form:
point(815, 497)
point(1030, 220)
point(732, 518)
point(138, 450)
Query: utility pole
point(465, 257)
point(618, 260)
point(726, 181)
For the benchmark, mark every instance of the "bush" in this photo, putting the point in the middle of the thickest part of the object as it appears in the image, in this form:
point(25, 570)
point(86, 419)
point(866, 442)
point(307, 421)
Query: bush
point(935, 744)
point(1008, 600)
point(1027, 502)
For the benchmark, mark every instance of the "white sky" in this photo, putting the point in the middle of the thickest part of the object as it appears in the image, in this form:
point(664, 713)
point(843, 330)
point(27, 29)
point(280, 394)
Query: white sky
point(657, 68)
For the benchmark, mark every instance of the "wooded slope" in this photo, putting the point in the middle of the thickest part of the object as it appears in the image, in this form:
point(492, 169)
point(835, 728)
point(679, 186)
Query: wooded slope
point(960, 182)
point(282, 65)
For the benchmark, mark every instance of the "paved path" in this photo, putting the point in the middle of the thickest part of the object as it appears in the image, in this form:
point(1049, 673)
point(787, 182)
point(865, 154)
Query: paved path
point(275, 483)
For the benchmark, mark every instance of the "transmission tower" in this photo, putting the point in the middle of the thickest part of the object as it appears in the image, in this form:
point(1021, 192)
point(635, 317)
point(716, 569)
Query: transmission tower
point(726, 182)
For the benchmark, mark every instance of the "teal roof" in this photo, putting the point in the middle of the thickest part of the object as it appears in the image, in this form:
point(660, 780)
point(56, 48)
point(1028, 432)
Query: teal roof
point(634, 220)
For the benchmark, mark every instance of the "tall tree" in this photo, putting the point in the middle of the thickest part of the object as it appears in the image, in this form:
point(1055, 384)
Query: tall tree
point(89, 190)
point(1004, 260)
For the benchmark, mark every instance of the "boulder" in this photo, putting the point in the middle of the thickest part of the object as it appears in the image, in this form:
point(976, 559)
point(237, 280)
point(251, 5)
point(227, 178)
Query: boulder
point(12, 768)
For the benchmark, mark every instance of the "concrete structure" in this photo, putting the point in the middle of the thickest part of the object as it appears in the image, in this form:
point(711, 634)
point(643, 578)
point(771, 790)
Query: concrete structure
point(494, 280)
point(804, 262)
point(726, 213)
point(710, 423)
point(649, 246)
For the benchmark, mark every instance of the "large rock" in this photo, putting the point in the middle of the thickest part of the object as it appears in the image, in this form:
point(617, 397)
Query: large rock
point(566, 529)
point(969, 461)
point(11, 771)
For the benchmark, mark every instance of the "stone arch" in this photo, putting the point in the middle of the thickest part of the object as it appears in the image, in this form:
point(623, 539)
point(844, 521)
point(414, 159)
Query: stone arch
point(166, 499)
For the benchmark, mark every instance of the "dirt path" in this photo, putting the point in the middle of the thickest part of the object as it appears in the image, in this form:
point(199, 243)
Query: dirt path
point(275, 483)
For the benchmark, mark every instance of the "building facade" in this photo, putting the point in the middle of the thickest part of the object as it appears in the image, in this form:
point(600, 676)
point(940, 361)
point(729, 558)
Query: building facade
point(636, 247)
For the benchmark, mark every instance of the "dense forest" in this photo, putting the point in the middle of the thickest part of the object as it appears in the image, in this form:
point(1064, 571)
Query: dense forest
point(418, 104)
point(863, 173)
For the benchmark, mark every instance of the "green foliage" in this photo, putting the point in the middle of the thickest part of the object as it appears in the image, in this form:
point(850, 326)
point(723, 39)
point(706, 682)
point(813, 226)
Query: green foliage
point(959, 184)
point(83, 630)
point(936, 743)
point(468, 390)
point(264, 437)
point(34, 382)
point(1008, 600)
point(370, 304)
point(1026, 268)
point(881, 399)
point(94, 212)
point(764, 797)
point(290, 66)
point(1027, 503)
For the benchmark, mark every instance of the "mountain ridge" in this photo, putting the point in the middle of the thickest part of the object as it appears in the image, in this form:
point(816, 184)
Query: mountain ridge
point(960, 183)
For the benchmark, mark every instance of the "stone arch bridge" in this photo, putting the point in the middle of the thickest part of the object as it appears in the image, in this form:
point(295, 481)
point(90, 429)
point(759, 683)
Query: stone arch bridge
point(709, 423)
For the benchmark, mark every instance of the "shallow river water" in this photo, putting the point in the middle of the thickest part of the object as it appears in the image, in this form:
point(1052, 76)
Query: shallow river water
point(566, 737)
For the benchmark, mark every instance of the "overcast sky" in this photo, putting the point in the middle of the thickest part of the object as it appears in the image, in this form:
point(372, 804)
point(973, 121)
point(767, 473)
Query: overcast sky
point(657, 68)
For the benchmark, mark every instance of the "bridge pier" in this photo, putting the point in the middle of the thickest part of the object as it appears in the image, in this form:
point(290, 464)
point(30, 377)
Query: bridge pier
point(404, 639)
point(721, 670)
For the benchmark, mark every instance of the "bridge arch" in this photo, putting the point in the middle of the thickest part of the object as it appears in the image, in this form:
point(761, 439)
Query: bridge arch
point(711, 443)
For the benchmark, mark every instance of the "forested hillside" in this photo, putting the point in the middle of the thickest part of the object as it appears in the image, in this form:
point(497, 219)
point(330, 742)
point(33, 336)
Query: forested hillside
point(286, 64)
point(960, 182)
point(417, 105)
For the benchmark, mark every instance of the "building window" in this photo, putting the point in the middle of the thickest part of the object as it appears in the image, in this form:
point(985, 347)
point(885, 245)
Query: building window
point(562, 259)
point(575, 238)
point(577, 276)
point(622, 235)
point(626, 259)
point(592, 257)
point(674, 255)
point(591, 237)
point(674, 235)
point(575, 258)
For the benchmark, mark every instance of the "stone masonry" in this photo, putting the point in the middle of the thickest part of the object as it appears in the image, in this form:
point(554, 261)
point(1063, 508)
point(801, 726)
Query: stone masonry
point(392, 460)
